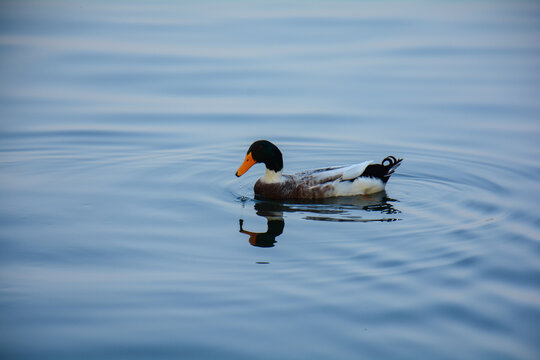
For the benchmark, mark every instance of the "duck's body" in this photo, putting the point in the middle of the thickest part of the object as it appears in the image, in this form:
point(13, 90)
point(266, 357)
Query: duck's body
point(359, 179)
point(319, 183)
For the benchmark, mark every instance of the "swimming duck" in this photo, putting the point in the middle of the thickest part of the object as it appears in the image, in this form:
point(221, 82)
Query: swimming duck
point(358, 179)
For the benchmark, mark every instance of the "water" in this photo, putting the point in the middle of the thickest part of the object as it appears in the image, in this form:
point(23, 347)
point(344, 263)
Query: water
point(122, 125)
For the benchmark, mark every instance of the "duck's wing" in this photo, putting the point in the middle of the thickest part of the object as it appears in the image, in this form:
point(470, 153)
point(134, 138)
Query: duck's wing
point(331, 174)
point(363, 178)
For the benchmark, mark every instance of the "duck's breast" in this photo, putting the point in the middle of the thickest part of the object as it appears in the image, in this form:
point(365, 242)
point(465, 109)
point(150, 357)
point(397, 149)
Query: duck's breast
point(285, 189)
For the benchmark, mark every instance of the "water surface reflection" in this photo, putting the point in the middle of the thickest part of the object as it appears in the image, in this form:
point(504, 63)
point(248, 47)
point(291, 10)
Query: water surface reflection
point(340, 209)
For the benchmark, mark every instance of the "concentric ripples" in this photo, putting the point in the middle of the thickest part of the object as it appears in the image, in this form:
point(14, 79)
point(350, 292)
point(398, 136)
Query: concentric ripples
point(125, 234)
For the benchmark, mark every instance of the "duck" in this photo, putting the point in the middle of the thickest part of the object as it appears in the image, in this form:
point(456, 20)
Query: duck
point(364, 178)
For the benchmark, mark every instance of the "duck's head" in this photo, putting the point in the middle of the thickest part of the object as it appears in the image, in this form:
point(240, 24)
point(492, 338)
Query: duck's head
point(262, 151)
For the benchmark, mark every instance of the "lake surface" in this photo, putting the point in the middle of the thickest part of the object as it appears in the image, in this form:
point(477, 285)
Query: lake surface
point(122, 125)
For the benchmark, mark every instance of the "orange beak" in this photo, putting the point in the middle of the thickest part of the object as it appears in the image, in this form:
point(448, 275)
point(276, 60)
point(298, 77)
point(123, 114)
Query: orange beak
point(248, 162)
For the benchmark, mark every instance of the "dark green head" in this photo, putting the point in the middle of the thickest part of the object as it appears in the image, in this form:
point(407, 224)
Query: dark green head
point(262, 151)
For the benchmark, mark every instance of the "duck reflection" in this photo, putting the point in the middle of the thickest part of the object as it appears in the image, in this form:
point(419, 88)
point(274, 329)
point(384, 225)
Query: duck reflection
point(340, 209)
point(273, 212)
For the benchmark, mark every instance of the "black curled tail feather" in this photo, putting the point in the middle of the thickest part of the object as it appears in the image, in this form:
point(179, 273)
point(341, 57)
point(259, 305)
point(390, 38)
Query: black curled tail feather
point(391, 163)
point(383, 170)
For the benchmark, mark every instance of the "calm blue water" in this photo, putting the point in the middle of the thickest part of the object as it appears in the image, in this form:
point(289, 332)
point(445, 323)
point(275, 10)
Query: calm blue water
point(122, 124)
